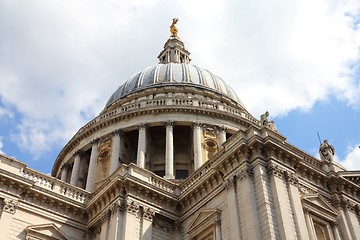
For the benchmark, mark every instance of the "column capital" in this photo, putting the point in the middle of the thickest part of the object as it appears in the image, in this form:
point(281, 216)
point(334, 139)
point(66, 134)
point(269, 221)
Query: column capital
point(77, 153)
point(169, 123)
point(222, 128)
point(10, 205)
point(118, 205)
point(117, 132)
point(275, 170)
point(132, 207)
point(196, 124)
point(65, 165)
point(141, 125)
point(291, 178)
point(95, 141)
point(105, 216)
point(148, 214)
point(228, 183)
point(334, 223)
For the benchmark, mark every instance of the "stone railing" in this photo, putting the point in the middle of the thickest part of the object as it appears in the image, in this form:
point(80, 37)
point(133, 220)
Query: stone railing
point(172, 101)
point(147, 176)
point(162, 184)
point(55, 185)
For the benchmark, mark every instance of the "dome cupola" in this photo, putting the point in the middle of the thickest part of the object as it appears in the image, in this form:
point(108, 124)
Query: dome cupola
point(174, 69)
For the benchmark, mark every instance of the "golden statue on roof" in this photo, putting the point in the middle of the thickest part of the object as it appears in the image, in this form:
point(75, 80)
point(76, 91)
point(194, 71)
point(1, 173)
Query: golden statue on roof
point(173, 28)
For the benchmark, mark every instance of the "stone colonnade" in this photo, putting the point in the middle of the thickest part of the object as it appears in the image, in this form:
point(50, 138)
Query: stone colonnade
point(141, 153)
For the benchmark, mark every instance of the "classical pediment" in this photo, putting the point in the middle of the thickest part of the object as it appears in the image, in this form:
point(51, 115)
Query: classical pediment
point(319, 206)
point(44, 231)
point(204, 219)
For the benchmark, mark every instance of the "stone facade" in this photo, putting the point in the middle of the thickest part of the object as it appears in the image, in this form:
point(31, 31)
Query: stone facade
point(181, 159)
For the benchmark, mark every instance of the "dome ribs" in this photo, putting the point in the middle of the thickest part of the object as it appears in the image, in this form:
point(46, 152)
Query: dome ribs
point(169, 75)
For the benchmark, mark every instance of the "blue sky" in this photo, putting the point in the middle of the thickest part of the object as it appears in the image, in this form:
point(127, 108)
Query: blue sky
point(61, 60)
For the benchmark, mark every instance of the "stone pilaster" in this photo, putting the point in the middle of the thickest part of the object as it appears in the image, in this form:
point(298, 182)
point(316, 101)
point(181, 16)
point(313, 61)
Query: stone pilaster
point(169, 151)
point(147, 219)
point(8, 211)
point(350, 219)
point(282, 203)
point(217, 229)
point(250, 226)
point(296, 206)
point(265, 204)
point(141, 146)
point(132, 220)
point(92, 166)
point(197, 145)
point(335, 228)
point(105, 222)
point(76, 168)
point(117, 220)
point(233, 208)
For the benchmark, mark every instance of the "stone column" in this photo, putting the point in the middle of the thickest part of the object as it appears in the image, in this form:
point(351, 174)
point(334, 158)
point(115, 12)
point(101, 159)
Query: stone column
point(141, 146)
point(76, 169)
point(222, 135)
point(169, 151)
point(64, 172)
point(92, 166)
point(115, 152)
point(197, 145)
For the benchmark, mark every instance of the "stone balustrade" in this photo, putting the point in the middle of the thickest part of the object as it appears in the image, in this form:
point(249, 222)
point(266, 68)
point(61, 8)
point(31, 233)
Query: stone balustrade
point(159, 182)
point(147, 176)
point(172, 101)
point(55, 185)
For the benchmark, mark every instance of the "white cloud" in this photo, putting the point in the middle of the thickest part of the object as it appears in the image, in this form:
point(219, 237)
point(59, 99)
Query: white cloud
point(61, 60)
point(6, 113)
point(352, 159)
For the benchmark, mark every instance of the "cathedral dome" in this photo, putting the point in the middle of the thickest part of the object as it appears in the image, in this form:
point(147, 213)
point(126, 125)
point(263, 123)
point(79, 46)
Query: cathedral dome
point(168, 119)
point(180, 74)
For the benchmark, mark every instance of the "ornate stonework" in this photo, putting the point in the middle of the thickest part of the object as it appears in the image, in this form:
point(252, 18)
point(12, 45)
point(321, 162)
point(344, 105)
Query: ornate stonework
point(10, 205)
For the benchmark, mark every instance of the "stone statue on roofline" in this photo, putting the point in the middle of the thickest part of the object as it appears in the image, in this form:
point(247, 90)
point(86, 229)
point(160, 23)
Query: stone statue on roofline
point(264, 122)
point(327, 151)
